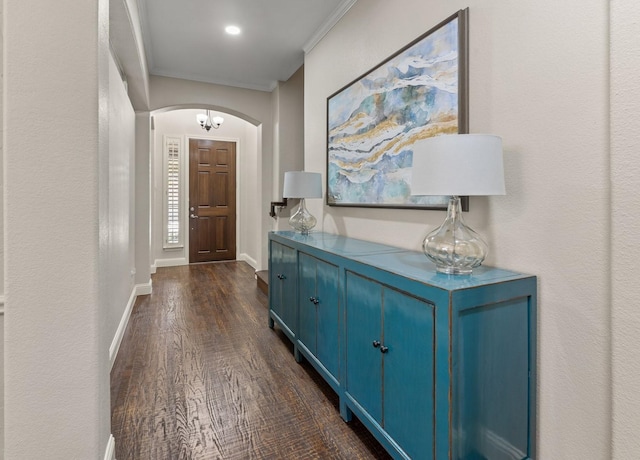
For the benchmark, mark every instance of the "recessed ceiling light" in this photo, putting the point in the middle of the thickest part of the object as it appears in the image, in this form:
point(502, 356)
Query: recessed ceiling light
point(232, 30)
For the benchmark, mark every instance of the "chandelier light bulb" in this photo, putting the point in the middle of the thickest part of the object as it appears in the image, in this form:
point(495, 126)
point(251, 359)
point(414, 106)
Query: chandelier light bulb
point(206, 122)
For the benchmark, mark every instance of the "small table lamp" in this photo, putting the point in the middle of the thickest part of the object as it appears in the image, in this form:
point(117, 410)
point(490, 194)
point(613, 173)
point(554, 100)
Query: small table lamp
point(457, 165)
point(301, 184)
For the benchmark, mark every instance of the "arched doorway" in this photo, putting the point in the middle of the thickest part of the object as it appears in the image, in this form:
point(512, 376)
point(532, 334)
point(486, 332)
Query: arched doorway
point(171, 183)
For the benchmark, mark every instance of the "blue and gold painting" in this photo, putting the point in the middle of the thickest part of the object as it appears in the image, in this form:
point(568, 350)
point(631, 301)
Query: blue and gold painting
point(373, 123)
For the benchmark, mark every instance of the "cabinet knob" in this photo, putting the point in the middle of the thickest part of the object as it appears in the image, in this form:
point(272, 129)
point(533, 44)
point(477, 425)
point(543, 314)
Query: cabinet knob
point(316, 301)
point(280, 276)
point(376, 343)
point(384, 349)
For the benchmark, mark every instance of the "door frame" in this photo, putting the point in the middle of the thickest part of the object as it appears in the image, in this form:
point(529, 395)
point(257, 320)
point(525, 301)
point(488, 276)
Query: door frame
point(185, 202)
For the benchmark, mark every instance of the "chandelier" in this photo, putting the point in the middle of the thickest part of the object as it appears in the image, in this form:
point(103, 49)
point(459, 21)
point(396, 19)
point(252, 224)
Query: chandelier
point(206, 122)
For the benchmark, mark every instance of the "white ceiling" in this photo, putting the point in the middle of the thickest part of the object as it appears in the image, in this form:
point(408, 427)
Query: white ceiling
point(186, 38)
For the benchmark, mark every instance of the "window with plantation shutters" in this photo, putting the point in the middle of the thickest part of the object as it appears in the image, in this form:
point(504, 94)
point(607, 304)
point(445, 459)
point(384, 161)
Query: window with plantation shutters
point(173, 231)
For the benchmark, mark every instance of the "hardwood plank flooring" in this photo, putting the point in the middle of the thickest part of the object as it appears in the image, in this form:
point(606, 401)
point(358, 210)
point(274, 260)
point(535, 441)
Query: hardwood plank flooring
point(200, 375)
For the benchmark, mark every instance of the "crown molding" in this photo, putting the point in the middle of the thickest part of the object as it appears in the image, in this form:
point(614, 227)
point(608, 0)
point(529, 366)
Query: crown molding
point(337, 14)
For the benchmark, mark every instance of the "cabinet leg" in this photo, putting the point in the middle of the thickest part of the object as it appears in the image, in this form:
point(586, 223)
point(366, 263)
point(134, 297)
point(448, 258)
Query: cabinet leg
point(296, 354)
point(345, 412)
point(271, 323)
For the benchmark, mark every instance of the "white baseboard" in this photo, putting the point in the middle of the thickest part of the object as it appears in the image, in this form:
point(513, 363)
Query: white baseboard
point(117, 339)
point(183, 261)
point(110, 452)
point(170, 262)
point(248, 259)
point(153, 268)
point(144, 288)
point(138, 289)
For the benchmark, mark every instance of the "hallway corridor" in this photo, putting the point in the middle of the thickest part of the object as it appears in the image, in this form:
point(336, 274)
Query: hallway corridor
point(199, 375)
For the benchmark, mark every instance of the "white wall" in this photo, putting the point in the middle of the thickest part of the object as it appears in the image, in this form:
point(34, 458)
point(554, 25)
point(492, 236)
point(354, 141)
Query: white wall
point(539, 78)
point(182, 123)
point(121, 247)
point(143, 203)
point(1, 248)
point(625, 203)
point(288, 103)
point(55, 238)
point(1, 153)
point(249, 202)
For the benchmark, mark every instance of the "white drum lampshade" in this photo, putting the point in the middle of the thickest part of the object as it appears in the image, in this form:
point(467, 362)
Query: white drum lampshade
point(457, 165)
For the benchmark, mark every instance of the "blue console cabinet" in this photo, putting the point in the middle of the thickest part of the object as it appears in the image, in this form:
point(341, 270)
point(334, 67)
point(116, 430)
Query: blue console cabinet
point(437, 367)
point(283, 263)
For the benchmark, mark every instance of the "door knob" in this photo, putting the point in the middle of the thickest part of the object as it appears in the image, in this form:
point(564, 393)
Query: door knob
point(193, 216)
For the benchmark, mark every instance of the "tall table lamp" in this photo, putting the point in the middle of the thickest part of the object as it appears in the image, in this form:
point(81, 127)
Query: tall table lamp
point(302, 185)
point(457, 165)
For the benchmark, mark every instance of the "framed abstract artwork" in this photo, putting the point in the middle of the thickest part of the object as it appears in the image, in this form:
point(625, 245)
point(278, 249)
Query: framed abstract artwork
point(373, 122)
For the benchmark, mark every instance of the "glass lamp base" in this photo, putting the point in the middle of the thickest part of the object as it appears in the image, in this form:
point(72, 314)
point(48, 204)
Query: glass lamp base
point(302, 221)
point(453, 270)
point(455, 248)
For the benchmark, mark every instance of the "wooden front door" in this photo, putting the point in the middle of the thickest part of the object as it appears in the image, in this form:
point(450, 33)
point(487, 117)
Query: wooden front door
point(212, 200)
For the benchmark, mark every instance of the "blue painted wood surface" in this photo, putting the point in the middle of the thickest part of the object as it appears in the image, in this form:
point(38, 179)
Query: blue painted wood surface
point(318, 311)
point(408, 332)
point(306, 308)
point(328, 317)
point(458, 379)
point(283, 282)
point(363, 327)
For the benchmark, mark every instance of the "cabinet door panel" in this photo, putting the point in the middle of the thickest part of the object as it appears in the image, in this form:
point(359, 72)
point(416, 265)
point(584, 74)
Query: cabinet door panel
point(307, 310)
point(409, 373)
point(284, 279)
point(327, 339)
point(492, 380)
point(275, 283)
point(364, 363)
point(290, 271)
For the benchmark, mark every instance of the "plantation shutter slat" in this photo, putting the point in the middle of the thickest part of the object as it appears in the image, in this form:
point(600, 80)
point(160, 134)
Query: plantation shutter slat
point(173, 233)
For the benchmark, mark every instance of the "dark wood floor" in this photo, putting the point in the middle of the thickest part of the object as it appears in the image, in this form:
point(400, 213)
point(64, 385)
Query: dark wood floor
point(199, 375)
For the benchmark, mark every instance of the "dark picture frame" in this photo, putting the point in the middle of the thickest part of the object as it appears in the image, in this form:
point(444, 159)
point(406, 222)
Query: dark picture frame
point(420, 91)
